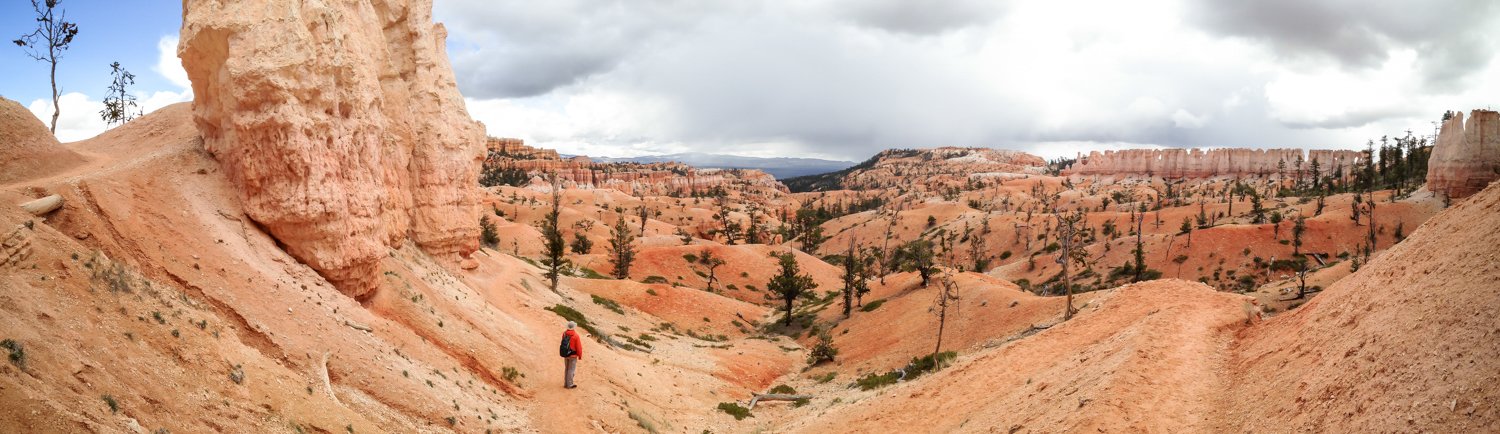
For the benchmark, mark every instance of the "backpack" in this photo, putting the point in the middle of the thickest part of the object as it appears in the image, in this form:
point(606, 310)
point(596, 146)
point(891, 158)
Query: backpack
point(566, 350)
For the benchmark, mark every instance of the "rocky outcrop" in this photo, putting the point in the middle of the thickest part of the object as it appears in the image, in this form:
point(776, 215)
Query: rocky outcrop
point(1466, 157)
point(1199, 163)
point(640, 179)
point(15, 245)
point(499, 149)
point(340, 124)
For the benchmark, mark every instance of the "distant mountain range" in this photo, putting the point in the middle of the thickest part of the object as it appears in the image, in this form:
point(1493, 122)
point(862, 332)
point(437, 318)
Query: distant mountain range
point(780, 167)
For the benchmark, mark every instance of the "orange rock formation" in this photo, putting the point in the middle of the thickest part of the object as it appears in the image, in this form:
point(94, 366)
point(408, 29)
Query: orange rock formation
point(1199, 163)
point(1467, 156)
point(340, 124)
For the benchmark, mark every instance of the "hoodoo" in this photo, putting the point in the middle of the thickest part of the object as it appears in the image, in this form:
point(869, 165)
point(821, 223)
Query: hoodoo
point(340, 124)
point(1198, 163)
point(1467, 155)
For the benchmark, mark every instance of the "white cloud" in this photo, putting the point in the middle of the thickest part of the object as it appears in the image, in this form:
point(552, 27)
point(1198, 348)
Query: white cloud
point(834, 79)
point(167, 63)
point(1183, 119)
point(78, 116)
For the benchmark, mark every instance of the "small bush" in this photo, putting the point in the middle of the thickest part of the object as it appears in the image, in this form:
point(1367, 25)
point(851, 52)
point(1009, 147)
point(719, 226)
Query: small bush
point(570, 314)
point(874, 381)
point(733, 409)
point(827, 378)
point(608, 304)
point(783, 389)
point(237, 374)
point(1005, 255)
point(511, 374)
point(643, 421)
point(114, 407)
point(17, 352)
point(655, 279)
point(871, 306)
point(823, 351)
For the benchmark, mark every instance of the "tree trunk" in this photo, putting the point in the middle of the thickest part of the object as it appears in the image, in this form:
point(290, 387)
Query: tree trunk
point(55, 108)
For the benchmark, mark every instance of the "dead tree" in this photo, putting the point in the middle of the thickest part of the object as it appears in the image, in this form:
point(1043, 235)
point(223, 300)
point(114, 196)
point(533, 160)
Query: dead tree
point(947, 295)
point(1068, 237)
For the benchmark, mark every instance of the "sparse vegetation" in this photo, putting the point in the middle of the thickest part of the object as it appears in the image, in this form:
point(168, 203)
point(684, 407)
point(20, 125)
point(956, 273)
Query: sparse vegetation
point(17, 352)
point(734, 409)
point(608, 304)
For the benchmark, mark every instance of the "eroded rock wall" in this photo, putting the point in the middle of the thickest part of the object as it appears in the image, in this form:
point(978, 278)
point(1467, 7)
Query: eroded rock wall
point(1467, 155)
point(1199, 163)
point(640, 179)
point(340, 124)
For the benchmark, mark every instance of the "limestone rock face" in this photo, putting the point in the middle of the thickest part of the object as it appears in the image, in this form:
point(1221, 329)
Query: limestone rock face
point(1467, 155)
point(341, 125)
point(1198, 163)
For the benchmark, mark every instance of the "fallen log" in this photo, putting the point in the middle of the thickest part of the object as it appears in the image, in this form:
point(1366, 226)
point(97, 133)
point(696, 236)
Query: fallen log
point(357, 326)
point(775, 397)
point(44, 205)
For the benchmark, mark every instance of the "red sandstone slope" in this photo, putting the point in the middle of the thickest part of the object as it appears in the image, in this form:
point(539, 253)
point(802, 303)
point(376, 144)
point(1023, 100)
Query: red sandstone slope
point(1410, 342)
point(26, 147)
point(1147, 357)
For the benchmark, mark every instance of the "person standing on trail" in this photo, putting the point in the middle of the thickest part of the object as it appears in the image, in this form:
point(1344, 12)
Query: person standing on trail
point(571, 350)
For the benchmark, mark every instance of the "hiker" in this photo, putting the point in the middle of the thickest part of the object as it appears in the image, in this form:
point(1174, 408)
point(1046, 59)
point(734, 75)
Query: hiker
point(571, 349)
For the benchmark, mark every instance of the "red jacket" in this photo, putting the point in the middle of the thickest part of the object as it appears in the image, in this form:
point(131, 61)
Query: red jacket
point(575, 342)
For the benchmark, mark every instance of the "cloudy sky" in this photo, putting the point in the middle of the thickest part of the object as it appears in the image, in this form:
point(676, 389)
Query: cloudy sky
point(844, 79)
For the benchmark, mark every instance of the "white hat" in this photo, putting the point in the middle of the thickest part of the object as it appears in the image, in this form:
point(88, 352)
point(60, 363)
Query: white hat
point(571, 325)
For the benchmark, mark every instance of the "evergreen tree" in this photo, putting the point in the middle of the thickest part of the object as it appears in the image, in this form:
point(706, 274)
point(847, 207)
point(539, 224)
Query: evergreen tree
point(1298, 226)
point(917, 256)
point(855, 281)
point(710, 263)
point(621, 251)
point(552, 239)
point(581, 244)
point(789, 283)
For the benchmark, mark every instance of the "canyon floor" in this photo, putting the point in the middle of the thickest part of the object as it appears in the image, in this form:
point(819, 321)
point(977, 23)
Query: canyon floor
point(151, 302)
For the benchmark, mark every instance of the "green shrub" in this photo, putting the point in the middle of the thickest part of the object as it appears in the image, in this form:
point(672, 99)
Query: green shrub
point(114, 406)
point(733, 409)
point(874, 381)
point(914, 369)
point(608, 304)
point(654, 279)
point(871, 306)
point(17, 352)
point(570, 314)
point(783, 389)
point(823, 351)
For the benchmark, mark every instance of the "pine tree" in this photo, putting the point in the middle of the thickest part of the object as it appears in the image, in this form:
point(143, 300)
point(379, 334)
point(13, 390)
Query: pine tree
point(917, 256)
point(552, 239)
point(1298, 227)
point(621, 251)
point(789, 283)
point(710, 263)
